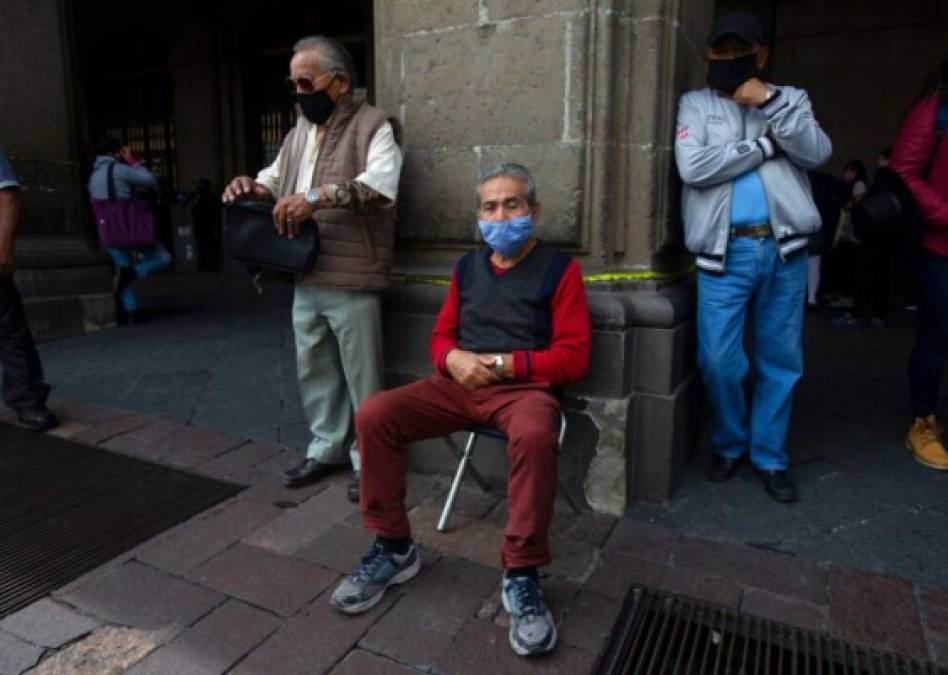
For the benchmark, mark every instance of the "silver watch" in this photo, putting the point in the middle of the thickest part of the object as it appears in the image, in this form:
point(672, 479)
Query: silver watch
point(499, 366)
point(312, 196)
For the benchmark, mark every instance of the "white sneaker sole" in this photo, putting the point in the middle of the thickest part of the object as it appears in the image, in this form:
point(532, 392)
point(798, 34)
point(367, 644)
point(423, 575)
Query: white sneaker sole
point(406, 574)
point(519, 650)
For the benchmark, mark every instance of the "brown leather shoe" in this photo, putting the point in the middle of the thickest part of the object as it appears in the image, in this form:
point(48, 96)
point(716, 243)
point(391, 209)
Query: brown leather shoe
point(307, 472)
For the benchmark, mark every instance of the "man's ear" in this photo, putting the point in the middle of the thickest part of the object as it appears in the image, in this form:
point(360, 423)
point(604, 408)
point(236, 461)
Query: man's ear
point(343, 84)
point(535, 212)
point(762, 54)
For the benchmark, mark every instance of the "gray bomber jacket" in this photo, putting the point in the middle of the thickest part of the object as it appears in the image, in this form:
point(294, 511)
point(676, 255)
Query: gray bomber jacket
point(717, 140)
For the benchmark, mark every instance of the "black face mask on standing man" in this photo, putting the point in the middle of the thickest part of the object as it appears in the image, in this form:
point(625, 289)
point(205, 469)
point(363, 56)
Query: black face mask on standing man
point(318, 106)
point(726, 75)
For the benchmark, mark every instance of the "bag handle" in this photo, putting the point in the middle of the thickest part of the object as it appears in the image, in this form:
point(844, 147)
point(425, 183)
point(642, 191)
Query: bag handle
point(111, 180)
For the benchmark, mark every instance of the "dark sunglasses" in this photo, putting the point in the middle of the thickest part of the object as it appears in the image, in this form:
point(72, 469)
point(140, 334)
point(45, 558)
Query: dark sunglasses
point(306, 85)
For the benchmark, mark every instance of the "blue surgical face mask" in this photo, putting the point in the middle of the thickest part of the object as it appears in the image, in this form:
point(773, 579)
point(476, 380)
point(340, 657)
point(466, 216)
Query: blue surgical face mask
point(507, 236)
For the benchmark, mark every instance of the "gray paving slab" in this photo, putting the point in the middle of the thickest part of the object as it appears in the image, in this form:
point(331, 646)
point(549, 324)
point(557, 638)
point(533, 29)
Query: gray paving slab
point(17, 655)
point(212, 645)
point(202, 538)
point(48, 623)
point(296, 528)
point(140, 596)
point(278, 583)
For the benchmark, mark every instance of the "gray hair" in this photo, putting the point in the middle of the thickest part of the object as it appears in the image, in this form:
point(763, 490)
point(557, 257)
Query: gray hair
point(333, 56)
point(509, 170)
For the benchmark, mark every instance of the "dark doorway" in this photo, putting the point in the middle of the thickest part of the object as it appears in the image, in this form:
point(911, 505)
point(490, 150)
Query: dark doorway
point(267, 45)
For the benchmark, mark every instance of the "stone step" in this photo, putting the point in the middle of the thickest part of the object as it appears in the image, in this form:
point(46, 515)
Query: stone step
point(53, 282)
point(54, 318)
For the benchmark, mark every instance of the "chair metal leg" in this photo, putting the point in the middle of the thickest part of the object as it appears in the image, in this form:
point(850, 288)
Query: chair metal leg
point(471, 469)
point(456, 483)
point(566, 493)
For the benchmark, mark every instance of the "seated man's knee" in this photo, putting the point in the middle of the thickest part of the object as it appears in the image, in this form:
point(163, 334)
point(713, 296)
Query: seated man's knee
point(372, 412)
point(534, 433)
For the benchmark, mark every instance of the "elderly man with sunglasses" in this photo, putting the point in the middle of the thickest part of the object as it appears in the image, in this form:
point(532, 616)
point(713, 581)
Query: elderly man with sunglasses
point(339, 166)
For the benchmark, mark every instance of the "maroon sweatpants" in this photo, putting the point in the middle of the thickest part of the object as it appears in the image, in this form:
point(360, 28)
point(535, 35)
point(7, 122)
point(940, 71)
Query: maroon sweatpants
point(528, 414)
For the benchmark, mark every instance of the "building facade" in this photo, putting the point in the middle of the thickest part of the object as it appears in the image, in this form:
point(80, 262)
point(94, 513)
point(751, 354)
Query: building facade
point(582, 91)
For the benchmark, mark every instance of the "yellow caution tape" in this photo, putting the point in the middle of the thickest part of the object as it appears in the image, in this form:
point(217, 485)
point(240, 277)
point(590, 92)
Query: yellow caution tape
point(645, 275)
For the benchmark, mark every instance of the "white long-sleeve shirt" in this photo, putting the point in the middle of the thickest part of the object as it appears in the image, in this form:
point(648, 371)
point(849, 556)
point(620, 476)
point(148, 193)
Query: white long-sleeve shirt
point(383, 165)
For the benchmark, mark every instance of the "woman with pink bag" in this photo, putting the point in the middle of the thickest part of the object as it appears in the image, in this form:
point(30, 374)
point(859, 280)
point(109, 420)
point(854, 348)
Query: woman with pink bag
point(125, 224)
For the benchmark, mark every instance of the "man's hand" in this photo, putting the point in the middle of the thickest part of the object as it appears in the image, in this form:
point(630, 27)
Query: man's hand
point(244, 187)
point(469, 370)
point(6, 261)
point(753, 92)
point(289, 212)
point(125, 154)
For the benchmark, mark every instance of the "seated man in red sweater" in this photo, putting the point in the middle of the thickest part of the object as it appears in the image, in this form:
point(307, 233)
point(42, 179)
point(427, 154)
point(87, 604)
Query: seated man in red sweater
point(513, 329)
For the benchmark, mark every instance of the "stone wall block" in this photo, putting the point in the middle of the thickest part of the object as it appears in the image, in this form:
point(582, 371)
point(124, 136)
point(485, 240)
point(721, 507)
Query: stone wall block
point(662, 357)
point(558, 170)
point(437, 201)
point(605, 483)
point(662, 434)
point(407, 337)
point(410, 16)
point(498, 10)
point(609, 374)
point(485, 86)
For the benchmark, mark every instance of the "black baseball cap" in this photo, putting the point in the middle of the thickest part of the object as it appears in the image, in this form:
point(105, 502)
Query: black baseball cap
point(744, 25)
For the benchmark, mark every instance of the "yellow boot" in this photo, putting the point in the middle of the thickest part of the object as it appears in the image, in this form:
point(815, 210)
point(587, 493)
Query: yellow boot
point(924, 440)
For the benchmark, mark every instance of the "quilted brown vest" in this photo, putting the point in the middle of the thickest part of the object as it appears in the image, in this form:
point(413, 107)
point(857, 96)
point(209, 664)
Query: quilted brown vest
point(356, 247)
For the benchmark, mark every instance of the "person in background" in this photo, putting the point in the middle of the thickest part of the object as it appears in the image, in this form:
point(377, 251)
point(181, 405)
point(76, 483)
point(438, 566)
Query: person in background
point(846, 253)
point(828, 191)
point(920, 158)
point(874, 256)
point(23, 387)
point(130, 263)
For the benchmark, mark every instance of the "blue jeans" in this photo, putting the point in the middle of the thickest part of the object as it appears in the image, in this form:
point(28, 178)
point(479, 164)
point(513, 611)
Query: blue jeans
point(145, 261)
point(927, 362)
point(755, 279)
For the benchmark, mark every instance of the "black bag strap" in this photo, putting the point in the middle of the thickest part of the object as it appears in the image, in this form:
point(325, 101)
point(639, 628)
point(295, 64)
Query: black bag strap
point(111, 179)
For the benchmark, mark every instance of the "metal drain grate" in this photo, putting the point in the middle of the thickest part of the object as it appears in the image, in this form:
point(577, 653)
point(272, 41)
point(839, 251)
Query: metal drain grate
point(659, 634)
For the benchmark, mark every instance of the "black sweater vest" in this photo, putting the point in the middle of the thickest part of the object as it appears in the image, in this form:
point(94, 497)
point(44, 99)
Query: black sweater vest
point(512, 311)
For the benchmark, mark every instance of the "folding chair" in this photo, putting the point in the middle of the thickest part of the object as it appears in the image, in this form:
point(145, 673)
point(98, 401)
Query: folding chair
point(465, 460)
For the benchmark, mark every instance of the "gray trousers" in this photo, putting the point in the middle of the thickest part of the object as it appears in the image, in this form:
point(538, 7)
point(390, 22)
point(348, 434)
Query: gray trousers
point(338, 364)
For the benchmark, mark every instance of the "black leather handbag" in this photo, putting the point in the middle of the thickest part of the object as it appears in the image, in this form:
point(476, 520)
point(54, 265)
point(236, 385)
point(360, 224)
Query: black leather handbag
point(251, 238)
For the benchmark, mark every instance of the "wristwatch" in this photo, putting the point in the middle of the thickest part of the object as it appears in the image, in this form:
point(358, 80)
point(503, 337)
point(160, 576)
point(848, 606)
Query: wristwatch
point(312, 196)
point(499, 366)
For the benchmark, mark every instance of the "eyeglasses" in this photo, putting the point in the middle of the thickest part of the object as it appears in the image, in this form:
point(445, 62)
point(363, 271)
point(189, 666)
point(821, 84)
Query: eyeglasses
point(305, 85)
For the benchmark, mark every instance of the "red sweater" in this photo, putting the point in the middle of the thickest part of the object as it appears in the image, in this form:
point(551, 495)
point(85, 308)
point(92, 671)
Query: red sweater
point(564, 361)
point(923, 167)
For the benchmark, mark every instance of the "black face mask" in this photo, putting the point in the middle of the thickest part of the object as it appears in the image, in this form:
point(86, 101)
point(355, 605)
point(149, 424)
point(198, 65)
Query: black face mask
point(317, 107)
point(727, 75)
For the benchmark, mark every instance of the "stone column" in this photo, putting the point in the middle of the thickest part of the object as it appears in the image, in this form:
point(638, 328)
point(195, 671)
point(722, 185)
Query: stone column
point(584, 93)
point(66, 286)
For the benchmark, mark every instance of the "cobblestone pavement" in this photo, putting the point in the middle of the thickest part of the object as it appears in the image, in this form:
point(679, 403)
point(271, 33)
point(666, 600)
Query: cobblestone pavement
point(244, 586)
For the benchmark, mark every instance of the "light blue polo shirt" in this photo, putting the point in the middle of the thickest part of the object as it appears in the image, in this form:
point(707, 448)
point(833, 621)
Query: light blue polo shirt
point(749, 200)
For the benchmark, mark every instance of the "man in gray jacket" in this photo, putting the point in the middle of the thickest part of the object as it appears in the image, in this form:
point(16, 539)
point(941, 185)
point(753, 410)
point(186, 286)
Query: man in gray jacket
point(743, 147)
